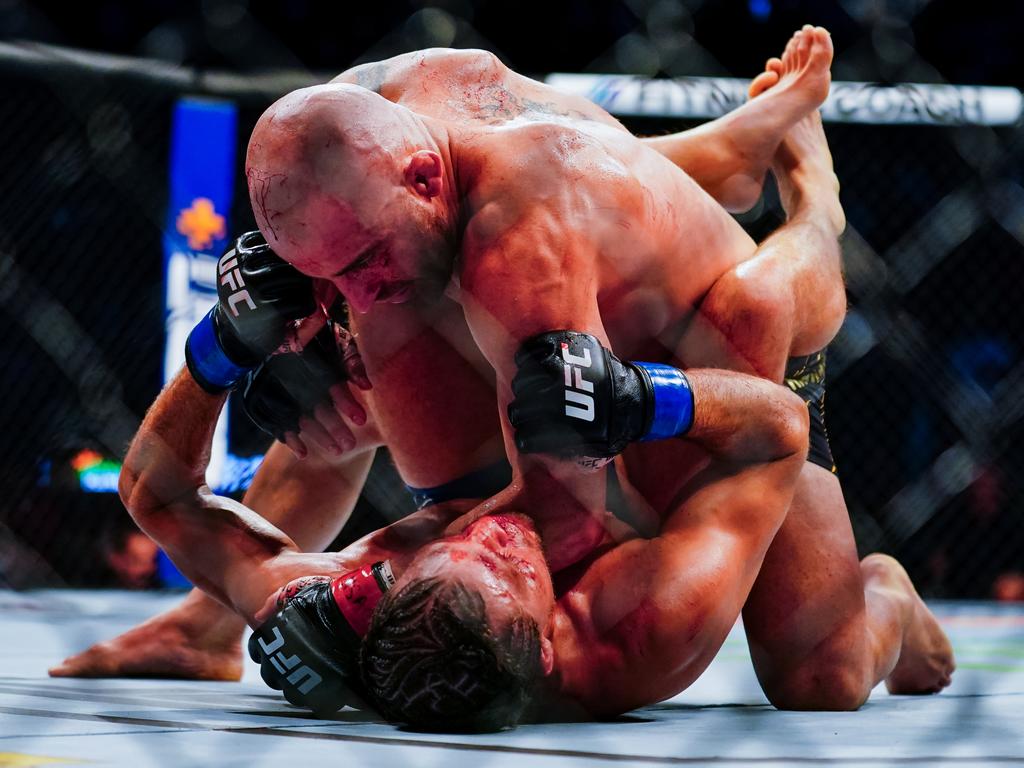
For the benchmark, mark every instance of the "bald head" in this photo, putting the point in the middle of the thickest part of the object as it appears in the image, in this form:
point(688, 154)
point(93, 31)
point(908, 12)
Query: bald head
point(314, 124)
point(334, 170)
point(324, 140)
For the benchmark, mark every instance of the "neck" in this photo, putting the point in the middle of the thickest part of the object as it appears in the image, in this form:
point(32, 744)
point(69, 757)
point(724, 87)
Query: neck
point(452, 195)
point(462, 150)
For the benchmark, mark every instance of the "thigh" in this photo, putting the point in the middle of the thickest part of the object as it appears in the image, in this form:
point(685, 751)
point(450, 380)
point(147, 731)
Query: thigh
point(805, 616)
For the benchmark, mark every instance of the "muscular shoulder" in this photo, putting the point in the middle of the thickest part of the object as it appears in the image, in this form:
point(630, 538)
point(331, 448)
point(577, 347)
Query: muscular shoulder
point(399, 72)
point(472, 86)
point(546, 179)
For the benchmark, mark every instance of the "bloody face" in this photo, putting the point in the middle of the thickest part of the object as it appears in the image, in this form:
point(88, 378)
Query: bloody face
point(500, 556)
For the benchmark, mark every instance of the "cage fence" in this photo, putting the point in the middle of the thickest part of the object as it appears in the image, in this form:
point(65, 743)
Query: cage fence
point(925, 404)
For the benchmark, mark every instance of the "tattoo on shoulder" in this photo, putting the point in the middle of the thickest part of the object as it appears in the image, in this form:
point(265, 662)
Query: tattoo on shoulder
point(498, 104)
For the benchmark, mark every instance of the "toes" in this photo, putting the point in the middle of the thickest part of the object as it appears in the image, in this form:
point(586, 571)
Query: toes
point(774, 65)
point(762, 83)
point(61, 670)
point(822, 47)
point(803, 46)
point(86, 664)
point(787, 54)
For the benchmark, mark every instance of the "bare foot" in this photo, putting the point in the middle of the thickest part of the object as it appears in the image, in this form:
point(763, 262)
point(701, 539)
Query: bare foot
point(197, 640)
point(767, 79)
point(789, 89)
point(803, 170)
point(925, 663)
point(800, 80)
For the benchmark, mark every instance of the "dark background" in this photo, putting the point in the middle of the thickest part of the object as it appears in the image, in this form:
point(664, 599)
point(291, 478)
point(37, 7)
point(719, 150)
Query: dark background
point(926, 398)
point(885, 40)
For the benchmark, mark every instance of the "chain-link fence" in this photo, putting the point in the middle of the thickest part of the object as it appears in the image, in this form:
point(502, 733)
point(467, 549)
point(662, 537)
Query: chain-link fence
point(926, 393)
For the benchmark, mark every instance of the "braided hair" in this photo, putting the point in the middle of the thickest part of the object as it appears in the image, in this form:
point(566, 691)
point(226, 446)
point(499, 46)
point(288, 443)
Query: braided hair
point(431, 660)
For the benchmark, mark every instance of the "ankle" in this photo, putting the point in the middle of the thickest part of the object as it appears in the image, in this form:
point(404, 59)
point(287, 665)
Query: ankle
point(816, 207)
point(203, 616)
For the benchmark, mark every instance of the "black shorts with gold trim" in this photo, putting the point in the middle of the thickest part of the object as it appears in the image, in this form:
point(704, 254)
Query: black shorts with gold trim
point(806, 376)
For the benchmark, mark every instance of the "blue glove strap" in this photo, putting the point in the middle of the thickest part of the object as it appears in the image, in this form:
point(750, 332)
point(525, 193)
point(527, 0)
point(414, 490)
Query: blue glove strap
point(673, 401)
point(206, 360)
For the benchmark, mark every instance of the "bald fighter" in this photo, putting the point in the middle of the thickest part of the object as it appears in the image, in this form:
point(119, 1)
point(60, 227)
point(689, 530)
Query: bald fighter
point(311, 500)
point(392, 295)
point(526, 221)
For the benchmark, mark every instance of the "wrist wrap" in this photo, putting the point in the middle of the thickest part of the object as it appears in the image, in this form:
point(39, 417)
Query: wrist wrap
point(673, 401)
point(209, 365)
point(358, 592)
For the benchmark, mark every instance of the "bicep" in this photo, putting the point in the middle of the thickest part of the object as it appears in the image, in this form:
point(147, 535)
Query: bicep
point(536, 276)
point(532, 280)
point(661, 608)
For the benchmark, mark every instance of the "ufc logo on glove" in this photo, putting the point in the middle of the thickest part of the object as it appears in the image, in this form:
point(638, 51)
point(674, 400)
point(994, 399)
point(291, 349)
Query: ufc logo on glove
point(283, 664)
point(231, 276)
point(579, 400)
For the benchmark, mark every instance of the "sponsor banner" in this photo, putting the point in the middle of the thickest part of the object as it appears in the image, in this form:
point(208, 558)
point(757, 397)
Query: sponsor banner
point(202, 179)
point(848, 102)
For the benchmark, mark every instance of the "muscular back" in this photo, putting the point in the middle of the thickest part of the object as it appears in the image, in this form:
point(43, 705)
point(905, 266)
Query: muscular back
point(554, 168)
point(469, 86)
point(561, 156)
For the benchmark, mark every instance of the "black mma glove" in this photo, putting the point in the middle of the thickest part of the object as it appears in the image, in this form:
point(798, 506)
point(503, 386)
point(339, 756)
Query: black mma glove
point(286, 387)
point(309, 649)
point(573, 398)
point(259, 296)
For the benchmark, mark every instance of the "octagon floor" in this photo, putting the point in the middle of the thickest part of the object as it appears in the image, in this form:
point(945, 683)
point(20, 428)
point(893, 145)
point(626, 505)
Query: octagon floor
point(723, 720)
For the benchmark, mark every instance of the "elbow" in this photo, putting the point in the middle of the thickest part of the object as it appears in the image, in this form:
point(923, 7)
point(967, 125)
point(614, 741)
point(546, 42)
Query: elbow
point(790, 427)
point(134, 488)
point(150, 481)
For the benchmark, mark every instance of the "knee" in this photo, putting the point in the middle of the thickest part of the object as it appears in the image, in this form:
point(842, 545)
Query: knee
point(739, 192)
point(820, 688)
point(755, 315)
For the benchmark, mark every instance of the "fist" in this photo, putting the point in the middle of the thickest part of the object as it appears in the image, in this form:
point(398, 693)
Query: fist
point(259, 298)
point(573, 398)
point(301, 397)
point(307, 651)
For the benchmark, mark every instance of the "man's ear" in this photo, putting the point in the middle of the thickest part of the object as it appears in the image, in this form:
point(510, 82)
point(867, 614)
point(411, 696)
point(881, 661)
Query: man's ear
point(547, 655)
point(424, 173)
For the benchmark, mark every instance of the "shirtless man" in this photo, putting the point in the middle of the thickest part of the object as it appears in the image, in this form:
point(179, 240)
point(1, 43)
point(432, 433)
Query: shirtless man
point(311, 500)
point(727, 237)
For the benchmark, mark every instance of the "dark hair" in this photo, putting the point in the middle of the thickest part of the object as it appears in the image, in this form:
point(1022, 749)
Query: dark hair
point(431, 660)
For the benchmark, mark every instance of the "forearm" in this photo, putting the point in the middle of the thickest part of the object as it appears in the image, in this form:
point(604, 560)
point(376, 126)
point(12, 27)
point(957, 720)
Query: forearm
point(400, 541)
point(745, 419)
point(310, 499)
point(218, 544)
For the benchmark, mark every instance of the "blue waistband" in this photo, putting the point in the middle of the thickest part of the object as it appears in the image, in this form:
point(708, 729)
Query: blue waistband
point(481, 484)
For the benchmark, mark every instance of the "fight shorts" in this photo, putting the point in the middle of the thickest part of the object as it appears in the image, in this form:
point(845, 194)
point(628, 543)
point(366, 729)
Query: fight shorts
point(481, 484)
point(806, 376)
point(486, 482)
